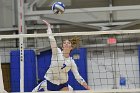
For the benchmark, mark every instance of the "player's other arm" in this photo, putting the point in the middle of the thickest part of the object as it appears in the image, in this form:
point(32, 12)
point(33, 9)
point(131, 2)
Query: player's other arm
point(78, 77)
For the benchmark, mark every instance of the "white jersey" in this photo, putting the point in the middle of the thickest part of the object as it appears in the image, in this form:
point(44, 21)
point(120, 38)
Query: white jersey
point(58, 71)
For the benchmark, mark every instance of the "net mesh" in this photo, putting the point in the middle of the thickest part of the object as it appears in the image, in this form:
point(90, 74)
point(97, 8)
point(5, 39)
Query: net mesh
point(106, 67)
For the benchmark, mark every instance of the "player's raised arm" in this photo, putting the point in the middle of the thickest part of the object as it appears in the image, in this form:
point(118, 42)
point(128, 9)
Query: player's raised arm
point(51, 37)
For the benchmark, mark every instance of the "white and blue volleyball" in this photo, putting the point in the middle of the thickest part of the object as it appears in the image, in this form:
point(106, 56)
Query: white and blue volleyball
point(58, 8)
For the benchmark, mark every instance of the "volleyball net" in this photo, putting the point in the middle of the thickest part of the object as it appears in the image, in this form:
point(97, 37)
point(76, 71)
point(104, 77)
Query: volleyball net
point(107, 60)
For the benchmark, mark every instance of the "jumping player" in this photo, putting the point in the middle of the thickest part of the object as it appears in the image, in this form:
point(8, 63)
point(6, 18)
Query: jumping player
point(61, 63)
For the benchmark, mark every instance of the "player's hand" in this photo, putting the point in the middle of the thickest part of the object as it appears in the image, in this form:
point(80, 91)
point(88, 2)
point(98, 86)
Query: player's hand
point(86, 86)
point(49, 31)
point(46, 22)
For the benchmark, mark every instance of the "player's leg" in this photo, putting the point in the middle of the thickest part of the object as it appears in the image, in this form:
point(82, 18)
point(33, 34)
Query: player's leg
point(64, 89)
point(69, 88)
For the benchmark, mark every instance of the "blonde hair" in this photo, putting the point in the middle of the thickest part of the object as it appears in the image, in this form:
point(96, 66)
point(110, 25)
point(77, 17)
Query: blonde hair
point(75, 42)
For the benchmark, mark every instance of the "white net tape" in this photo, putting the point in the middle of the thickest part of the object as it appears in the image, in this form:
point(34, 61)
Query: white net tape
point(99, 91)
point(72, 34)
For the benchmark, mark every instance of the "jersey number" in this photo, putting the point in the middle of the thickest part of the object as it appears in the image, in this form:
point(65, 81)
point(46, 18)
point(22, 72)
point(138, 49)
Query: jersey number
point(64, 65)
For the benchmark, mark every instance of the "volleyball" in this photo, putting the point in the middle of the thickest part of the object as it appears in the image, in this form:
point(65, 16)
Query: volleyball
point(58, 8)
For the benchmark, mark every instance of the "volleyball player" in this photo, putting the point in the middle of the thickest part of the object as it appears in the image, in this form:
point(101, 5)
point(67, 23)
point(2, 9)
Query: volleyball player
point(61, 63)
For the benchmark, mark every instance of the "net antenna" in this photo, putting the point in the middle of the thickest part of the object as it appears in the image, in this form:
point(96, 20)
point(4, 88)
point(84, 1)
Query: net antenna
point(1, 79)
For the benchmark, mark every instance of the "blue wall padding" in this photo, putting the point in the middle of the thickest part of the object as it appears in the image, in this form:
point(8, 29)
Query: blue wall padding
point(82, 68)
point(139, 56)
point(44, 60)
point(29, 70)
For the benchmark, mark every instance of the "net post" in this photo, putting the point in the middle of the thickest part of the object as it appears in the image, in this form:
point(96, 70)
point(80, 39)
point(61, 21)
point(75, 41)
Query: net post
point(21, 30)
point(21, 64)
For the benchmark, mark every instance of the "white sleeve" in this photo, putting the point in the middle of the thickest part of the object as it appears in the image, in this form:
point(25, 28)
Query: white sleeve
point(52, 41)
point(76, 73)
